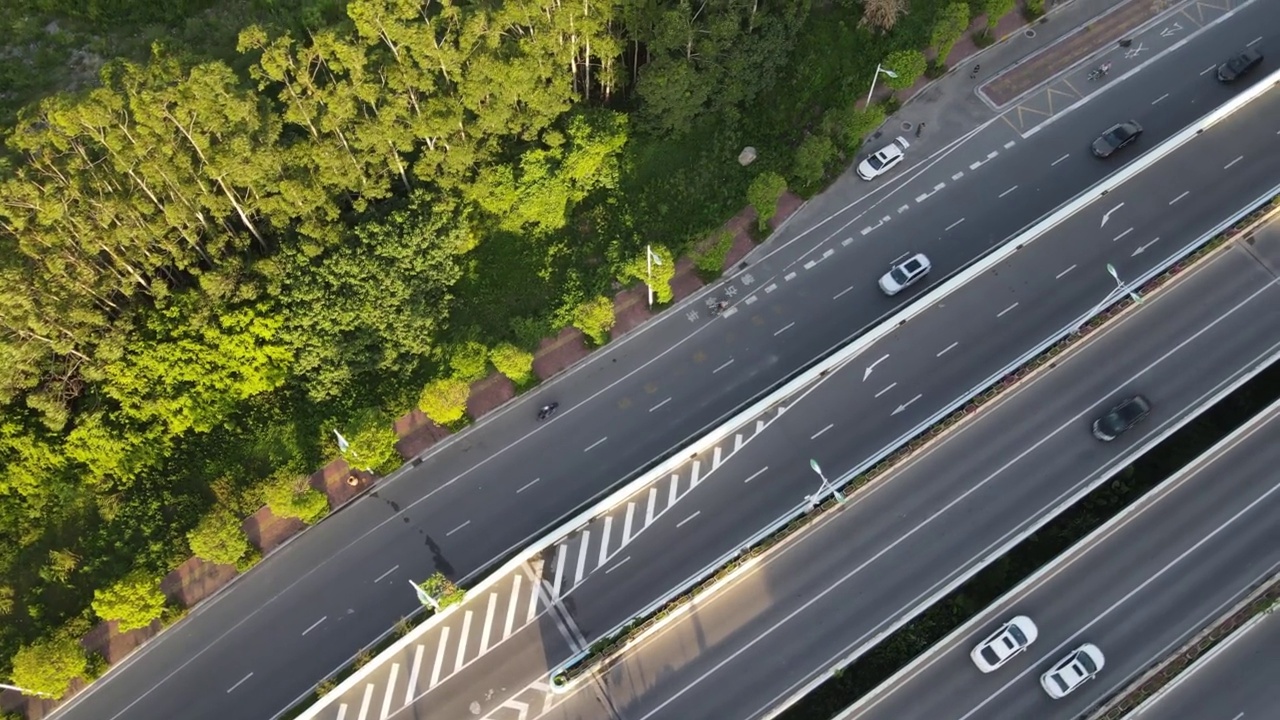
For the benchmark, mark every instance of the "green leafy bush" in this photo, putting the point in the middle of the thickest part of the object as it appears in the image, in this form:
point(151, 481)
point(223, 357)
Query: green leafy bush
point(763, 194)
point(445, 400)
point(848, 125)
point(595, 317)
point(513, 362)
point(640, 268)
point(217, 538)
point(994, 10)
point(908, 65)
point(1034, 9)
point(372, 443)
point(710, 262)
point(814, 155)
point(948, 27)
point(48, 666)
point(442, 590)
point(469, 360)
point(290, 495)
point(134, 601)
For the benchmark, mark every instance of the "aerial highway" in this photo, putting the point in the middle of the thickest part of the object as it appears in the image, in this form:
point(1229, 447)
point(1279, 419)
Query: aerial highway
point(1199, 340)
point(313, 604)
point(778, 627)
point(1137, 589)
point(1235, 681)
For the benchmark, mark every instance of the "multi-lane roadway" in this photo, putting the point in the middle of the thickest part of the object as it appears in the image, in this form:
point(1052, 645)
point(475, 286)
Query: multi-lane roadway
point(1236, 681)
point(777, 629)
point(310, 606)
point(1137, 588)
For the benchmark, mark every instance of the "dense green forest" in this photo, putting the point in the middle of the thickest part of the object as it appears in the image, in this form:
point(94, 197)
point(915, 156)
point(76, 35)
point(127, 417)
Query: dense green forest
point(227, 228)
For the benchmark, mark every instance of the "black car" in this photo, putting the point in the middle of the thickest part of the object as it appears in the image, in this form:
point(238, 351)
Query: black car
point(1116, 137)
point(1120, 418)
point(1238, 65)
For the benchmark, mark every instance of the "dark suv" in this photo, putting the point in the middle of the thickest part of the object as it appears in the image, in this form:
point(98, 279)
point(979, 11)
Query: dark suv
point(1120, 418)
point(1239, 64)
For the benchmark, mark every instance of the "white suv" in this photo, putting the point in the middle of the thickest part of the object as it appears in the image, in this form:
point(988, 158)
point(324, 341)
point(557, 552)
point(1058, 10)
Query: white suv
point(905, 271)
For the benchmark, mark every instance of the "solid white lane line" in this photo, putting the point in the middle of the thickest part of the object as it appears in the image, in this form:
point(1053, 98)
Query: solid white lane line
point(533, 600)
point(891, 386)
point(653, 501)
point(842, 292)
point(682, 522)
point(620, 564)
point(1233, 162)
point(756, 474)
point(815, 435)
point(384, 575)
point(784, 329)
point(954, 224)
point(315, 624)
point(581, 570)
point(1184, 194)
point(594, 444)
point(413, 673)
point(664, 402)
point(1006, 192)
point(488, 622)
point(1252, 42)
point(1064, 272)
point(1209, 69)
point(527, 485)
point(510, 624)
point(947, 349)
point(604, 540)
point(725, 365)
point(435, 669)
point(1064, 157)
point(1153, 102)
point(364, 703)
point(391, 688)
point(1002, 312)
point(626, 525)
point(462, 641)
point(457, 528)
point(1126, 232)
point(562, 553)
point(241, 681)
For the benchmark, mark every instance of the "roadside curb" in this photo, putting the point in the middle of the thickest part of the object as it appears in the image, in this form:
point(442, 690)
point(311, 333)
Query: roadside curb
point(1167, 672)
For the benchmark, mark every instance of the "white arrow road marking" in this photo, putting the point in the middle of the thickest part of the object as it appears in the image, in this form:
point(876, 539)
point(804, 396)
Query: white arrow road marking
point(906, 405)
point(1107, 216)
point(1142, 248)
point(867, 373)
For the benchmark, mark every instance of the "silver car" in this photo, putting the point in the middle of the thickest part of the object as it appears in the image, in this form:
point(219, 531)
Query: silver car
point(1072, 671)
point(904, 271)
point(1010, 639)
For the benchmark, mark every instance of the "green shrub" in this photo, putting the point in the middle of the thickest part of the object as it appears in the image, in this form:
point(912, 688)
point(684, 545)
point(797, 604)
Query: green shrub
point(948, 27)
point(710, 263)
point(813, 157)
point(908, 65)
point(290, 495)
point(763, 194)
point(994, 10)
point(595, 317)
point(469, 360)
point(848, 125)
point(445, 400)
point(134, 601)
point(1034, 9)
point(372, 443)
point(514, 362)
point(48, 666)
point(984, 38)
point(442, 590)
point(935, 70)
point(217, 538)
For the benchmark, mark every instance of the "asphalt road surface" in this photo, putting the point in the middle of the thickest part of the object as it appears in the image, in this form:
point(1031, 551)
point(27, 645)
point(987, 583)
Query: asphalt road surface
point(1190, 349)
point(1236, 682)
point(343, 583)
point(864, 570)
point(1137, 590)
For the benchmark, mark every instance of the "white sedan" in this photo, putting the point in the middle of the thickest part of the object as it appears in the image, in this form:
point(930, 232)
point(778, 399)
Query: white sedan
point(1012, 638)
point(904, 271)
point(1072, 671)
point(883, 159)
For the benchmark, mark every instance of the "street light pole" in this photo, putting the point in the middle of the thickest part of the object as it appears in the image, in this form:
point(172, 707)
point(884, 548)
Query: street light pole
point(1120, 288)
point(424, 597)
point(1120, 285)
point(650, 258)
point(826, 485)
point(24, 691)
point(875, 77)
